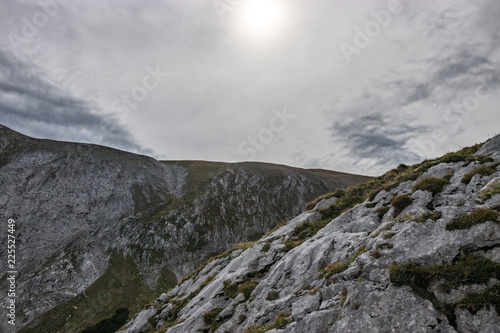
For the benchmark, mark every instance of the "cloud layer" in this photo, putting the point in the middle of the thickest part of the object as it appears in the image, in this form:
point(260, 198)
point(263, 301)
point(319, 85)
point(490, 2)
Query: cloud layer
point(423, 79)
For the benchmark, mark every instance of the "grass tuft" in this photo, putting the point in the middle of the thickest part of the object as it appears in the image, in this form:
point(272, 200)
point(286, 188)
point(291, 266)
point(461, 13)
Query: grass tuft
point(464, 271)
point(273, 295)
point(400, 203)
point(266, 247)
point(434, 215)
point(246, 287)
point(473, 302)
point(339, 266)
point(432, 184)
point(478, 216)
point(280, 322)
point(483, 170)
point(490, 191)
point(210, 318)
point(382, 211)
point(378, 232)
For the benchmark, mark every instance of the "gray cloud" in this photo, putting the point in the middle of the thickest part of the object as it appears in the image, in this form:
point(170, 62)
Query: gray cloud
point(37, 108)
point(420, 110)
point(403, 91)
point(375, 138)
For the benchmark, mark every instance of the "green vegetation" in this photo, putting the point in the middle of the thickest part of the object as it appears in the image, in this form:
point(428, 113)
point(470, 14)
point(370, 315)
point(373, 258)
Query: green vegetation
point(465, 271)
point(333, 268)
point(378, 232)
point(389, 235)
point(151, 210)
point(400, 203)
point(230, 289)
point(121, 286)
point(245, 287)
point(385, 246)
point(433, 215)
point(338, 194)
point(473, 302)
point(308, 229)
point(210, 318)
point(483, 170)
point(279, 225)
point(343, 297)
point(382, 211)
point(280, 322)
point(302, 232)
point(240, 246)
point(490, 191)
point(290, 244)
point(166, 279)
point(199, 173)
point(266, 247)
point(204, 284)
point(273, 295)
point(339, 266)
point(110, 325)
point(179, 304)
point(478, 216)
point(432, 184)
point(356, 194)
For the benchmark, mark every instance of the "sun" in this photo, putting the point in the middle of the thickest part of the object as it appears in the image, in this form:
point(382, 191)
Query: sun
point(260, 18)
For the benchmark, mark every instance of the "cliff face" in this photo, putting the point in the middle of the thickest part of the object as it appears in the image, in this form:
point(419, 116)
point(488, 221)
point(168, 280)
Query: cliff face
point(98, 229)
point(415, 250)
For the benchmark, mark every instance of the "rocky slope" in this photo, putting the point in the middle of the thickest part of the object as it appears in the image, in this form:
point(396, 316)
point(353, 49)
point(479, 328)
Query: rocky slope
point(98, 229)
point(415, 250)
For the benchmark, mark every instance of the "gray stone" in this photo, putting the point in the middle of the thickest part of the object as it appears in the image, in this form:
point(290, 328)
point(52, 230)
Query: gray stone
point(491, 148)
point(305, 305)
point(140, 322)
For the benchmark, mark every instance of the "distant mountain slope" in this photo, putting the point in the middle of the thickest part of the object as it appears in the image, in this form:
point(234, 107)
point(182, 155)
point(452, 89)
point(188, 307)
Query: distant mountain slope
point(99, 229)
point(414, 250)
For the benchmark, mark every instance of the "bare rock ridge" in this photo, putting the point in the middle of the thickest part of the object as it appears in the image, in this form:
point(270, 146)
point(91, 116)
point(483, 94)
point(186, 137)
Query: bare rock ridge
point(414, 250)
point(100, 229)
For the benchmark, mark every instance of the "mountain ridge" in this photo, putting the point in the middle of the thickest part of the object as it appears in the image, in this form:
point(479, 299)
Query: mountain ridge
point(86, 211)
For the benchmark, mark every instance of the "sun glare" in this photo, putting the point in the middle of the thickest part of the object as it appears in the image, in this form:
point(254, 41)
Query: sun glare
point(260, 18)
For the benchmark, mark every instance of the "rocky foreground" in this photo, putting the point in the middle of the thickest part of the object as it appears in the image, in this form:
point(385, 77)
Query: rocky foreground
point(415, 250)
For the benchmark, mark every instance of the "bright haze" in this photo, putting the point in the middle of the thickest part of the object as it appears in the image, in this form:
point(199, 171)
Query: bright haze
point(356, 86)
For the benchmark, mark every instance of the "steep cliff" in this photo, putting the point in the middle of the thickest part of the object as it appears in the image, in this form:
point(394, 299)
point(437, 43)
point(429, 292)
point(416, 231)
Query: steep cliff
point(99, 229)
point(415, 250)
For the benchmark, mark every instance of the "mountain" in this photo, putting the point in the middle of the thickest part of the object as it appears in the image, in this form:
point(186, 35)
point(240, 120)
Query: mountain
point(414, 250)
point(98, 229)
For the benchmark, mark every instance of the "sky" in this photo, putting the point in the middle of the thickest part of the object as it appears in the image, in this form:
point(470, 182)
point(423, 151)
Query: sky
point(354, 86)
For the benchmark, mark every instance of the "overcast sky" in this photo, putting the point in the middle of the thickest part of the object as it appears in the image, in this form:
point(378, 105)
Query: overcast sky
point(355, 86)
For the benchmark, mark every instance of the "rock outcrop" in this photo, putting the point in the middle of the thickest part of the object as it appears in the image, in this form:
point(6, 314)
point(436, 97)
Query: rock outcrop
point(98, 229)
point(415, 250)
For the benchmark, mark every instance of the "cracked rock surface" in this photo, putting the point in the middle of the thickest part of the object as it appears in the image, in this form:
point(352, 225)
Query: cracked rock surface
point(359, 297)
